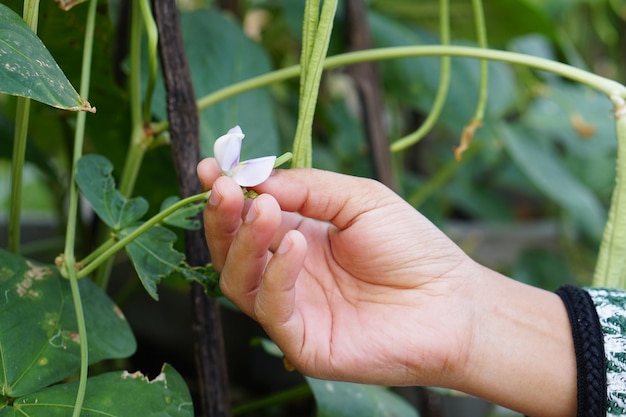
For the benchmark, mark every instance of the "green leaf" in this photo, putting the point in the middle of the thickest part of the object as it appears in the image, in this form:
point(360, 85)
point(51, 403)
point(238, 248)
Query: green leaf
point(38, 331)
point(186, 217)
point(95, 180)
point(119, 394)
point(345, 399)
point(206, 276)
point(27, 69)
point(153, 256)
point(542, 167)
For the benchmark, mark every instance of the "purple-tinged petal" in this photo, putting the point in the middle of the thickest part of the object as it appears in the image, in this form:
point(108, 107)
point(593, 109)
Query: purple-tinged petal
point(231, 156)
point(253, 171)
point(227, 148)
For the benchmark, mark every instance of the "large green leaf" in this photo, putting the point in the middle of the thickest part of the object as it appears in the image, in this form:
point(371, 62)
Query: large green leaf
point(219, 55)
point(542, 167)
point(345, 399)
point(39, 342)
point(27, 69)
point(94, 177)
point(119, 394)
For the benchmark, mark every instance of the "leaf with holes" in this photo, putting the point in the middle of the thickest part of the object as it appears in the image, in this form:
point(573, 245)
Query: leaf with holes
point(28, 70)
point(120, 394)
point(39, 342)
point(94, 177)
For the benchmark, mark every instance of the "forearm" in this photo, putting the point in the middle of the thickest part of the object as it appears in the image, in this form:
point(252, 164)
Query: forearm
point(522, 351)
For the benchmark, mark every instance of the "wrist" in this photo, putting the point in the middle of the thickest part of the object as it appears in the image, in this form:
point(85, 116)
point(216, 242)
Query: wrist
point(521, 352)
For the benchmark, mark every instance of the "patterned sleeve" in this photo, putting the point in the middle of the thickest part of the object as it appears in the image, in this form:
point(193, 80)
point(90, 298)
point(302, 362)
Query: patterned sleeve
point(610, 306)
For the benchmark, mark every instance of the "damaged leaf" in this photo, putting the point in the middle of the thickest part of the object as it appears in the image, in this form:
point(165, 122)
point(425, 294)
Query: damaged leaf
point(120, 394)
point(36, 306)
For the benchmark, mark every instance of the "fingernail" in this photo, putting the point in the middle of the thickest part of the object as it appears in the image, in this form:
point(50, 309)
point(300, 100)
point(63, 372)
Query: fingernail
point(284, 246)
point(215, 198)
point(252, 214)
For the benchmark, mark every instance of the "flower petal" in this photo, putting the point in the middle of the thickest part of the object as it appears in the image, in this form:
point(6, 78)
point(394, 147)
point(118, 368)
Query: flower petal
point(227, 148)
point(253, 171)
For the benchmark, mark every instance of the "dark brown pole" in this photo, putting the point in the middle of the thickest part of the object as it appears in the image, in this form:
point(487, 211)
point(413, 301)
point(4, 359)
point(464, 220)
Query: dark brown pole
point(184, 135)
point(367, 81)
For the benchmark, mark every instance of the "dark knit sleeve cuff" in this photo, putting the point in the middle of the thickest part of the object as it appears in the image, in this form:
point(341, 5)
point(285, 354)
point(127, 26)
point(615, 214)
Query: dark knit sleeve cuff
point(589, 349)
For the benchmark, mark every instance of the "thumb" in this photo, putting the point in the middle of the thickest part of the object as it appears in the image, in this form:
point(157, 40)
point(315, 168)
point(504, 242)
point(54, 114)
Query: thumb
point(325, 195)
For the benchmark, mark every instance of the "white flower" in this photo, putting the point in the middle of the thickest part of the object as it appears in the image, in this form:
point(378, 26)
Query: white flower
point(246, 173)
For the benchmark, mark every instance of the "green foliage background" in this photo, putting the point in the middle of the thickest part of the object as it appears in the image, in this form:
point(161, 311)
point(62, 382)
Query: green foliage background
point(530, 197)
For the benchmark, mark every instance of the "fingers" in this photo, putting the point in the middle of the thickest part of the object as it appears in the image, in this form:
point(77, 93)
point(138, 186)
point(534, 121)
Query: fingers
point(208, 171)
point(275, 301)
point(222, 218)
point(324, 195)
point(249, 252)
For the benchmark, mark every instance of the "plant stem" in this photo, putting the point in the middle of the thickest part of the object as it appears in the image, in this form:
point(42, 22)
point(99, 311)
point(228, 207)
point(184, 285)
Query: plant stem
point(22, 115)
point(477, 121)
point(139, 143)
point(72, 215)
point(97, 252)
point(153, 39)
point(610, 269)
point(311, 73)
point(442, 90)
point(481, 32)
point(110, 250)
point(439, 179)
point(602, 84)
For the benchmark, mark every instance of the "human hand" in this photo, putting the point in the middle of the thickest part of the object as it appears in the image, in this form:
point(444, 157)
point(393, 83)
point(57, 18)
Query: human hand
point(349, 280)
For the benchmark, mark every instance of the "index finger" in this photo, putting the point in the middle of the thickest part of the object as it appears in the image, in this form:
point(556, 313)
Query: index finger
point(208, 171)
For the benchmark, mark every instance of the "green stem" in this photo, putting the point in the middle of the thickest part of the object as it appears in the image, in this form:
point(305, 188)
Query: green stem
point(481, 32)
point(153, 39)
point(442, 90)
point(610, 269)
point(605, 85)
point(312, 72)
point(22, 115)
point(72, 216)
point(153, 221)
point(284, 158)
point(139, 143)
point(301, 391)
point(477, 121)
point(437, 181)
point(97, 252)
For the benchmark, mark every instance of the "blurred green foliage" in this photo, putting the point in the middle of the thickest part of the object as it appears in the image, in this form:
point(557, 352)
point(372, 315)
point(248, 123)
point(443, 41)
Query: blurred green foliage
point(539, 172)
